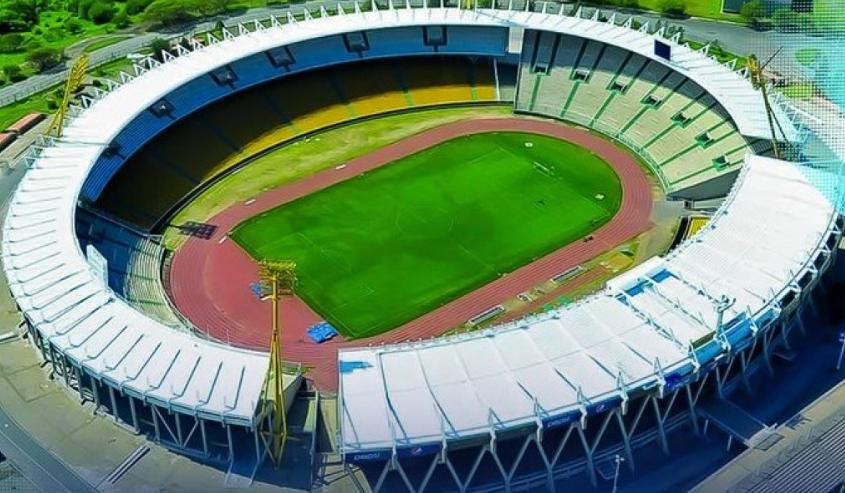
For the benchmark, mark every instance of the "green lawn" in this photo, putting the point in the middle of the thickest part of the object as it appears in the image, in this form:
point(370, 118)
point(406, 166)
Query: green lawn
point(383, 248)
point(798, 91)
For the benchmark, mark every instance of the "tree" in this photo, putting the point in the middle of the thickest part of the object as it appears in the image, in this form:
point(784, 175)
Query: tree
point(11, 21)
point(222, 5)
point(137, 6)
point(158, 45)
point(785, 18)
point(211, 7)
point(74, 26)
point(829, 16)
point(673, 7)
point(167, 12)
point(44, 58)
point(11, 42)
point(28, 10)
point(12, 72)
point(752, 12)
point(100, 12)
point(121, 20)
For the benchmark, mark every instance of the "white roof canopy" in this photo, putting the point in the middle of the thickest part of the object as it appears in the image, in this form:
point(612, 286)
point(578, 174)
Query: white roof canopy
point(54, 286)
point(640, 329)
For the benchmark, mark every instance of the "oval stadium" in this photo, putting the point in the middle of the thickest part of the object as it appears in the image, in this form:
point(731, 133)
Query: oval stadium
point(452, 249)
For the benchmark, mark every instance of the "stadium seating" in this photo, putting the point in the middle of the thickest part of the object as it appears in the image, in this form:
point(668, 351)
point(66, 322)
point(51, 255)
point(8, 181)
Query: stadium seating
point(233, 130)
point(430, 81)
point(241, 122)
point(668, 119)
point(310, 101)
point(378, 93)
point(134, 262)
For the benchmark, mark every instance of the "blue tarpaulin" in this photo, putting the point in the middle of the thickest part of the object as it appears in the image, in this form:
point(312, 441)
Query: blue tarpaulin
point(255, 287)
point(321, 332)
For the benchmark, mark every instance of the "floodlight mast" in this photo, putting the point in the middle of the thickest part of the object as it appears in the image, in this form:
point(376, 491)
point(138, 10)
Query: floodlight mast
point(760, 82)
point(278, 278)
point(74, 80)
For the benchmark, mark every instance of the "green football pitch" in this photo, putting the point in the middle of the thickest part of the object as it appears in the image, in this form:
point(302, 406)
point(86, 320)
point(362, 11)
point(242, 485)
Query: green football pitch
point(383, 248)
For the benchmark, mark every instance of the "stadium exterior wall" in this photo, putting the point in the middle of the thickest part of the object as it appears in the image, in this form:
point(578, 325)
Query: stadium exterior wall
point(192, 428)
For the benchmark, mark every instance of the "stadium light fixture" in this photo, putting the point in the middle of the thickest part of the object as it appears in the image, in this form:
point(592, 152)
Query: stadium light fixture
point(74, 80)
point(278, 278)
point(760, 82)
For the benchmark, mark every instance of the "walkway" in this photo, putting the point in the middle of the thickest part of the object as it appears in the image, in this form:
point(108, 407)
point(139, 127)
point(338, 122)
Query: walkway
point(809, 456)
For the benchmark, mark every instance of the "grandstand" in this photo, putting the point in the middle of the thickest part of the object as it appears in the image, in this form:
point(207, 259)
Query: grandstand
point(670, 120)
point(233, 130)
point(134, 263)
point(660, 326)
point(522, 404)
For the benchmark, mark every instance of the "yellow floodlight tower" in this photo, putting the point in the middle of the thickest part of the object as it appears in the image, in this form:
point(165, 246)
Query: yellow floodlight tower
point(278, 278)
point(760, 82)
point(74, 80)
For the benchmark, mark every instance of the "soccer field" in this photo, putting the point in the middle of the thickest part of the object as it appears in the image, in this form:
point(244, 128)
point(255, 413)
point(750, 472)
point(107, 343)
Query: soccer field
point(383, 248)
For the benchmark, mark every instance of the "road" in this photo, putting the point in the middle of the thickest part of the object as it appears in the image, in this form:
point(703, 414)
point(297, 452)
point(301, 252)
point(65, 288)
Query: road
point(38, 465)
point(35, 462)
point(733, 37)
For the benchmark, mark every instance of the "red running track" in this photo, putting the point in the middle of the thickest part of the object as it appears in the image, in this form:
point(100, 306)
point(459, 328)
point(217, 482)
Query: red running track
point(210, 278)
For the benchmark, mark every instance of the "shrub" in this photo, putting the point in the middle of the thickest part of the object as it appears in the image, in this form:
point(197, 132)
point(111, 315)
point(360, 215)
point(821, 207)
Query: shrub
point(167, 12)
point(673, 7)
point(137, 6)
point(121, 20)
point(12, 22)
point(30, 44)
point(785, 18)
point(29, 11)
point(13, 72)
point(157, 46)
point(100, 12)
point(11, 42)
point(74, 25)
point(53, 35)
point(44, 58)
point(52, 104)
point(752, 11)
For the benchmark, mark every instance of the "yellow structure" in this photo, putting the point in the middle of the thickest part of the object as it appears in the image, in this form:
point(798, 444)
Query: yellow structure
point(74, 80)
point(278, 278)
point(759, 81)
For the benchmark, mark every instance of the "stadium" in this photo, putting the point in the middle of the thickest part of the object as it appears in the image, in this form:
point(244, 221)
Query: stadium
point(475, 200)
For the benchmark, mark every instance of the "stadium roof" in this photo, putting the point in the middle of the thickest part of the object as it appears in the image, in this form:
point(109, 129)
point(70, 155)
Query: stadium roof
point(728, 86)
point(56, 289)
point(650, 327)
